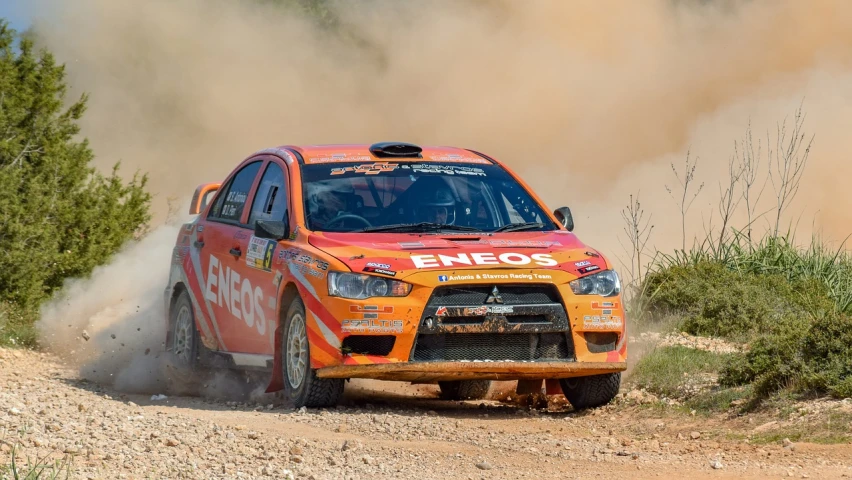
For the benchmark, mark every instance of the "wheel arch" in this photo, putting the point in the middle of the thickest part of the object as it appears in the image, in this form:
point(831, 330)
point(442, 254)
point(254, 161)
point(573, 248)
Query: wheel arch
point(288, 294)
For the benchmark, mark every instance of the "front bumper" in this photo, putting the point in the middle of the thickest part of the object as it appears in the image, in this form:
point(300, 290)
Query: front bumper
point(440, 371)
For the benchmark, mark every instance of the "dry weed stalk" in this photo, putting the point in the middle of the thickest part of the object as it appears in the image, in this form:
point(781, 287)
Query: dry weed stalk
point(682, 202)
point(638, 232)
point(787, 163)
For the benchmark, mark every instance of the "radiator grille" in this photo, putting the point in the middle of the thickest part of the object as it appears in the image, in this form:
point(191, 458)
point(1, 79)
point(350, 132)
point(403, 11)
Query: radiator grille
point(493, 346)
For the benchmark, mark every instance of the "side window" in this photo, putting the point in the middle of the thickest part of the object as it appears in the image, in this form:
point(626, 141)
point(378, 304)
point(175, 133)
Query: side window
point(231, 202)
point(270, 201)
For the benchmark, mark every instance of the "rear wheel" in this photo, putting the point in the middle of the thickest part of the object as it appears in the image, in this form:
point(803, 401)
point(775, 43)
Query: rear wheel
point(301, 385)
point(464, 389)
point(592, 391)
point(183, 370)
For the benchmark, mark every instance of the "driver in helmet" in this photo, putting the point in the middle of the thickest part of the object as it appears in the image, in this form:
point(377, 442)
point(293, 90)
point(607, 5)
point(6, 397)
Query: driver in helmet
point(330, 201)
point(437, 206)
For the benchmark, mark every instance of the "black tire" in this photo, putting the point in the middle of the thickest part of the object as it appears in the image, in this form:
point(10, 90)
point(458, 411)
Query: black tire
point(305, 389)
point(465, 389)
point(183, 368)
point(592, 391)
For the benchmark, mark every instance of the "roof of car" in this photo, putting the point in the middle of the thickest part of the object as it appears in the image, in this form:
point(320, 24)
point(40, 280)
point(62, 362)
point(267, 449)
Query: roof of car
point(313, 154)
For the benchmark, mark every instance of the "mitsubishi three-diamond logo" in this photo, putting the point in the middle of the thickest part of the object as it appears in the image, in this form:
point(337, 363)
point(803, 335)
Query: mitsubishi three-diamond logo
point(494, 297)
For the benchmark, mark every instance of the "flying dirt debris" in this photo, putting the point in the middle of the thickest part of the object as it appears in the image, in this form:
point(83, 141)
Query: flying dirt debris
point(391, 262)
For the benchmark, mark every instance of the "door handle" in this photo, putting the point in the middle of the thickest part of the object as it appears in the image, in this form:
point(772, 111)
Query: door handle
point(198, 243)
point(235, 252)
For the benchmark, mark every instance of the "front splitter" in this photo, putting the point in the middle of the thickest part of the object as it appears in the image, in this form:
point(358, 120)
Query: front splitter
point(440, 371)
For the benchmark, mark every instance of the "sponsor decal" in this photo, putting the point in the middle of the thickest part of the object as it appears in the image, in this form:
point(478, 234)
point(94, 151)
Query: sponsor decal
point(383, 271)
point(484, 258)
point(411, 245)
point(340, 157)
point(239, 235)
point(474, 311)
point(582, 264)
point(371, 308)
point(294, 234)
point(277, 279)
point(452, 157)
point(304, 263)
point(590, 268)
point(225, 288)
point(371, 325)
point(200, 229)
point(495, 276)
point(367, 168)
point(601, 322)
point(259, 254)
point(603, 305)
point(378, 265)
point(445, 169)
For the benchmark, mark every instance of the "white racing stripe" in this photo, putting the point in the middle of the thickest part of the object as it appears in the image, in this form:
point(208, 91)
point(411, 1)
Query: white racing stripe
point(329, 336)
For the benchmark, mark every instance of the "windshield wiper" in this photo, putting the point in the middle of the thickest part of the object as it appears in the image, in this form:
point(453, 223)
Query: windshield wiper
point(418, 227)
point(516, 227)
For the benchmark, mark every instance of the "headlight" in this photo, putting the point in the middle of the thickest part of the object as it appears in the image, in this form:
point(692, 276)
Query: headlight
point(605, 283)
point(358, 286)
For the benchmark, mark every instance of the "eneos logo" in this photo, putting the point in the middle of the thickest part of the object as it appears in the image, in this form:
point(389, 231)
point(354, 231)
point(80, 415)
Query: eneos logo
point(241, 300)
point(432, 261)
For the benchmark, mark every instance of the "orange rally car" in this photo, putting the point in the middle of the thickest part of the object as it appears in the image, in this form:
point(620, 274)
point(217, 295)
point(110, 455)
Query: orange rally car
point(390, 261)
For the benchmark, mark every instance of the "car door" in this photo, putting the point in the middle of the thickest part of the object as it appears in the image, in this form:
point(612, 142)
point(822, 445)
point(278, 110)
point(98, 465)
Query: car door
point(270, 202)
point(223, 240)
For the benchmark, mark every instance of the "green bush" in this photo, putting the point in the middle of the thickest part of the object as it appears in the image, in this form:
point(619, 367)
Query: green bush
point(827, 352)
point(61, 218)
point(805, 357)
point(717, 301)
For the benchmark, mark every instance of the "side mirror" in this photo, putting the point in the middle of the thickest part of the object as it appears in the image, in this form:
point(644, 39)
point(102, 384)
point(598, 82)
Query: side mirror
point(563, 214)
point(271, 229)
point(202, 196)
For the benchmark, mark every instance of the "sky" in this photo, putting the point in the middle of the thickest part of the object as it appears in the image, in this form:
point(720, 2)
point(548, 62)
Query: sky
point(16, 13)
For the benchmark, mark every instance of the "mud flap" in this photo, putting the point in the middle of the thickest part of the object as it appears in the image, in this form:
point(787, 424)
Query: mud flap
point(276, 382)
point(528, 386)
point(552, 387)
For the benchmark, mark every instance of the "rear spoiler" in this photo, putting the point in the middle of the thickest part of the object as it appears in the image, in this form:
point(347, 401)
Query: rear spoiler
point(202, 196)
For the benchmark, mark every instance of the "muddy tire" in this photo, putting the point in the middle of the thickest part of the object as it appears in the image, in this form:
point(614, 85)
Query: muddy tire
point(183, 367)
point(465, 389)
point(301, 385)
point(592, 391)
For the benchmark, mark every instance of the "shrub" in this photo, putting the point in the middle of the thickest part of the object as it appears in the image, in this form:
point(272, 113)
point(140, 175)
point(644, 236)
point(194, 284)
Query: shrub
point(61, 217)
point(717, 301)
point(806, 357)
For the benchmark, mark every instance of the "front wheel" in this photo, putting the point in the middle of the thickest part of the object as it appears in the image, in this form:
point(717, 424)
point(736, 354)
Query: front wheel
point(592, 391)
point(301, 385)
point(464, 389)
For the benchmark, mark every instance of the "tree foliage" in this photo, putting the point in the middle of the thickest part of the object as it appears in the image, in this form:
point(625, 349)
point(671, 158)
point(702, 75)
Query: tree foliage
point(59, 217)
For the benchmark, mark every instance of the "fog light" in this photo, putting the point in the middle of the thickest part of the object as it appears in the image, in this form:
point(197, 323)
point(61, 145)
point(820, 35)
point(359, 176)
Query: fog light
point(430, 322)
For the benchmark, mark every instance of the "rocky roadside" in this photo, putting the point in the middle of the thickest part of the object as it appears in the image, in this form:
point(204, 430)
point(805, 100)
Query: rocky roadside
point(47, 413)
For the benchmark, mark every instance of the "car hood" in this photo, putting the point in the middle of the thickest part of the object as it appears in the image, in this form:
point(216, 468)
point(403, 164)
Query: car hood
point(402, 254)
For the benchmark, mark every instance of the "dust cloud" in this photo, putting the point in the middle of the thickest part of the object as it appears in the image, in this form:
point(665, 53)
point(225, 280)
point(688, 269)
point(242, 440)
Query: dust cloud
point(588, 101)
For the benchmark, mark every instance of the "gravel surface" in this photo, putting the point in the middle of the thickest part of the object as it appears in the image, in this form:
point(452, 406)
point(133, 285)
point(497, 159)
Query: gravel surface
point(382, 430)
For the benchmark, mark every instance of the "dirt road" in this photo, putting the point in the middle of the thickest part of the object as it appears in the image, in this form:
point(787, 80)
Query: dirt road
point(383, 430)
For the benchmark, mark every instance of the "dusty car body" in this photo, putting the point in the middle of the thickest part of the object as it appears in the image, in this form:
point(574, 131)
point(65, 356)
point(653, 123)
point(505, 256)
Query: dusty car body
point(391, 261)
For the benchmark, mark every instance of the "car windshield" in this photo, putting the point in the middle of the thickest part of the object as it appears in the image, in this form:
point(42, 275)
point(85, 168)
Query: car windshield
point(417, 197)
